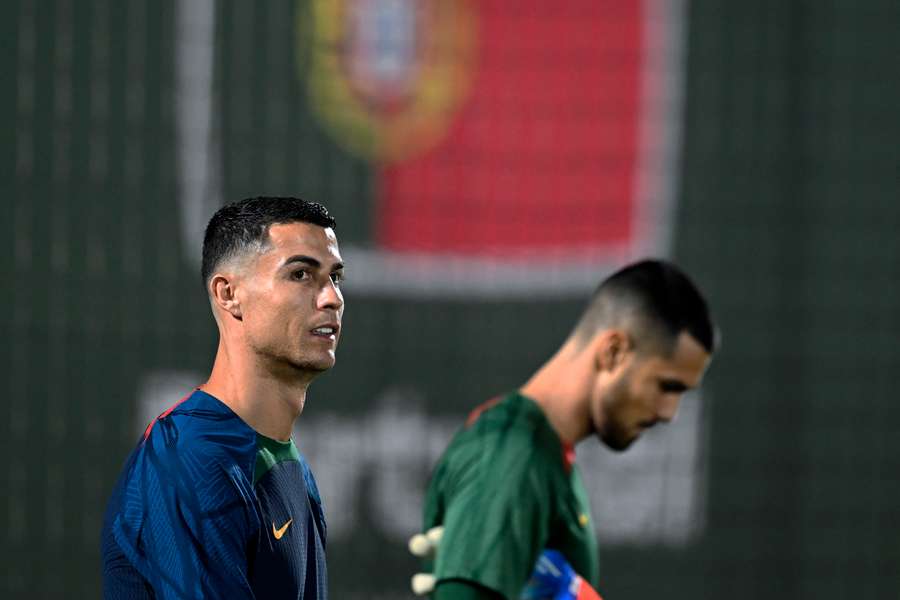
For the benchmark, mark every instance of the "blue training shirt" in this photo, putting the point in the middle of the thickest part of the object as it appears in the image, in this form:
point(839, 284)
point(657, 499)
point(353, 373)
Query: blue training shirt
point(206, 507)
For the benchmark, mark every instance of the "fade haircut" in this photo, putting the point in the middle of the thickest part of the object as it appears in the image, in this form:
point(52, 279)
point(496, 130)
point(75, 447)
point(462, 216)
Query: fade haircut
point(243, 227)
point(654, 301)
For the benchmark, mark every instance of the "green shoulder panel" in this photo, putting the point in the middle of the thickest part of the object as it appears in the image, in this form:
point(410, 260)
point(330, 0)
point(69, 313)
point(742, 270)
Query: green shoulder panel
point(269, 453)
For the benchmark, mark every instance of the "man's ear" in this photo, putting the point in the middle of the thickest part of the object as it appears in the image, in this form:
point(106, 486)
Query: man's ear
point(222, 292)
point(611, 348)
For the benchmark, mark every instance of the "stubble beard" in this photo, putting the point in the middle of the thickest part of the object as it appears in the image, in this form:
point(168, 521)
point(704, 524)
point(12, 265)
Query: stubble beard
point(302, 363)
point(292, 363)
point(613, 433)
point(311, 366)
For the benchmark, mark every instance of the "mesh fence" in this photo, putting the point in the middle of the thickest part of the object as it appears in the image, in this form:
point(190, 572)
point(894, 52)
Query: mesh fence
point(486, 166)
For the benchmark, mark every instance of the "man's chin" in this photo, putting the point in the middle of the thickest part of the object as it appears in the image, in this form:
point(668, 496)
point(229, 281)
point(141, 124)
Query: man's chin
point(618, 442)
point(314, 365)
point(318, 366)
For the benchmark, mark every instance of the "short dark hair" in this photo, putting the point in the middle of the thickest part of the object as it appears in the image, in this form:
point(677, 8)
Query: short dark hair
point(243, 226)
point(657, 299)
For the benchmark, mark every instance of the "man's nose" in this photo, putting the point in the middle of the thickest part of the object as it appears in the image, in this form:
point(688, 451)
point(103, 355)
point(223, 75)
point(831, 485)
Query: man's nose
point(668, 407)
point(330, 297)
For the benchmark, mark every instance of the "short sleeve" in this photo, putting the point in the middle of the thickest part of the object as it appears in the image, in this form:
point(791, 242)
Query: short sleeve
point(186, 522)
point(496, 517)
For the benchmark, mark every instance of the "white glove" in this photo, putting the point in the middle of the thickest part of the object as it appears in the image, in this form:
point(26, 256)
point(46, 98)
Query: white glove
point(425, 545)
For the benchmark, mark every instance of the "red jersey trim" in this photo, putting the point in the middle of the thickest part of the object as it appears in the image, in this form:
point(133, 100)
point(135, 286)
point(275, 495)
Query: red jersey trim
point(166, 413)
point(476, 412)
point(568, 451)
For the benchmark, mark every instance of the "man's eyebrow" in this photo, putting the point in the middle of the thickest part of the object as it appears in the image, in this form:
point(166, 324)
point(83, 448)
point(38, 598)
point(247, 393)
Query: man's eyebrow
point(300, 258)
point(309, 260)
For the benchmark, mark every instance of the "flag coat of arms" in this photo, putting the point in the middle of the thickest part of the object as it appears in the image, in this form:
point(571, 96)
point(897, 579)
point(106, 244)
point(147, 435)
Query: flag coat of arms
point(508, 150)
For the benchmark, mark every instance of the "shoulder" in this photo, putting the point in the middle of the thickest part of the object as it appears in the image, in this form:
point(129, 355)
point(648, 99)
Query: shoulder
point(198, 446)
point(502, 454)
point(512, 436)
point(201, 424)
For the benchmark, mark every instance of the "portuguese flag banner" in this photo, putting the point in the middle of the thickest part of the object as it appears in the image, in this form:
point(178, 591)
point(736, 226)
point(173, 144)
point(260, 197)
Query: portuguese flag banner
point(532, 143)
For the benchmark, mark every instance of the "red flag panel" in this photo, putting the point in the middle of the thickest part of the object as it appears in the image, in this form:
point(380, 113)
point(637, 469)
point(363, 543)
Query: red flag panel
point(542, 155)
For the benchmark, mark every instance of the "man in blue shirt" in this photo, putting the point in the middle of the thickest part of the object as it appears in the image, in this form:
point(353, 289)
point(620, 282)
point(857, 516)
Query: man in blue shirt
point(215, 501)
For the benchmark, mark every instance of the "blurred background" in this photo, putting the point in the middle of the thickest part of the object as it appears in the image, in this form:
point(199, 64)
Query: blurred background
point(488, 163)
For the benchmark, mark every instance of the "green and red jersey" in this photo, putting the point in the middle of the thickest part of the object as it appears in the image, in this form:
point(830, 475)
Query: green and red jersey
point(505, 489)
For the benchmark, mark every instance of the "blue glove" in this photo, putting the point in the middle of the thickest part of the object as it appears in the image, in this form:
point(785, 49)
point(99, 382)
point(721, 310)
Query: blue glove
point(554, 579)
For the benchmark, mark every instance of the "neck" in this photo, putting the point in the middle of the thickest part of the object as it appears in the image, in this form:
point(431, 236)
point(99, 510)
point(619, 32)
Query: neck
point(562, 389)
point(267, 401)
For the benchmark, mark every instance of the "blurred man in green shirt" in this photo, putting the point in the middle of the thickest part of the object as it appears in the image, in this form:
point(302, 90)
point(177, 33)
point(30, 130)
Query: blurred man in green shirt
point(507, 492)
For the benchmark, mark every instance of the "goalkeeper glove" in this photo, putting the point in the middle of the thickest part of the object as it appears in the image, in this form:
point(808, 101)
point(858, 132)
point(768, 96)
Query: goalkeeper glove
point(554, 579)
point(424, 545)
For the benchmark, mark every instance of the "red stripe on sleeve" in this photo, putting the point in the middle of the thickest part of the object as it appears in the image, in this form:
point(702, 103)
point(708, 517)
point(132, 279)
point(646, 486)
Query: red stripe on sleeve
point(166, 413)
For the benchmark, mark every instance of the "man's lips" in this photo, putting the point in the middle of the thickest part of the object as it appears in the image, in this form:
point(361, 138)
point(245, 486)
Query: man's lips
point(327, 331)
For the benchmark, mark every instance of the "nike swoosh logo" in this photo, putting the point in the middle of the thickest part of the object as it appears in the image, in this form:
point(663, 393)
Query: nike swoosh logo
point(280, 532)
